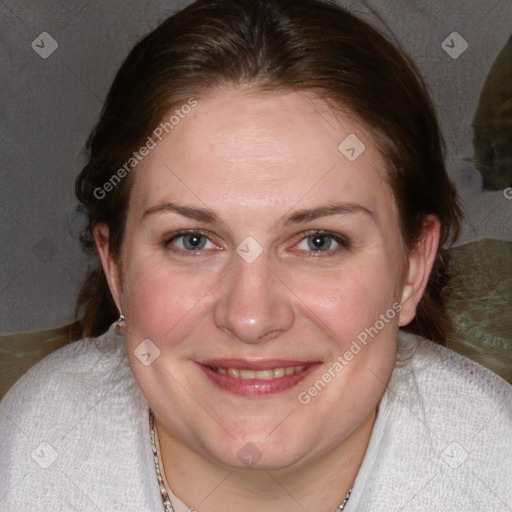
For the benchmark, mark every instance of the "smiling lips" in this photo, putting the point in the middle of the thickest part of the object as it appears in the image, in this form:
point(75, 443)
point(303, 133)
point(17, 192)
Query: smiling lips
point(258, 378)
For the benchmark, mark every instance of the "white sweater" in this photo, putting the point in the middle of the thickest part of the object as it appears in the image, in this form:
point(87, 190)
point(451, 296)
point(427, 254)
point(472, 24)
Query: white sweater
point(74, 435)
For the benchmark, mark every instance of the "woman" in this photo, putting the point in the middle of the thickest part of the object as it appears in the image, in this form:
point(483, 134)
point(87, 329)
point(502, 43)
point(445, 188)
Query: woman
point(267, 196)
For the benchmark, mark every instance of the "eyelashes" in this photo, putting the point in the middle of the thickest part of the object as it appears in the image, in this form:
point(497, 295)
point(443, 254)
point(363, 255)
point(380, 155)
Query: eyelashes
point(192, 240)
point(314, 240)
point(195, 242)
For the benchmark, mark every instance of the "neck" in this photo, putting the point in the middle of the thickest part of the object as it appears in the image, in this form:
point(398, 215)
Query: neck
point(319, 485)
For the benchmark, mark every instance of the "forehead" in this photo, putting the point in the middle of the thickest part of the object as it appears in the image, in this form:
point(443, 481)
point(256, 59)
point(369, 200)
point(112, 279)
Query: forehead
point(263, 150)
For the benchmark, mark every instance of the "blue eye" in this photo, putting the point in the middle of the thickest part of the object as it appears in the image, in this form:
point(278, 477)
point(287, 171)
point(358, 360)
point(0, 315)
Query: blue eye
point(188, 241)
point(321, 241)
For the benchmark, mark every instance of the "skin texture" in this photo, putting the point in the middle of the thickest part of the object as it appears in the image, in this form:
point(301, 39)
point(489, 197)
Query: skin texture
point(255, 160)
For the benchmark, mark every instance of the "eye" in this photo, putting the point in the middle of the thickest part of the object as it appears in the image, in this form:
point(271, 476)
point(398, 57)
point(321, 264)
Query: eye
point(323, 242)
point(188, 241)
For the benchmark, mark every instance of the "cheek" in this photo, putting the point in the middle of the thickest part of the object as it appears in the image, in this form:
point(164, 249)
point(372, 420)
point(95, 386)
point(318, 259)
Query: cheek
point(352, 297)
point(158, 299)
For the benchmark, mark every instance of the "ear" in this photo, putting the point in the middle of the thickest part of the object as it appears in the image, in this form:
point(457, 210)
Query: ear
point(420, 262)
point(110, 267)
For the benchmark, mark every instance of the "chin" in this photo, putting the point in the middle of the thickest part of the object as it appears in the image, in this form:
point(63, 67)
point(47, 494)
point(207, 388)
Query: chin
point(258, 452)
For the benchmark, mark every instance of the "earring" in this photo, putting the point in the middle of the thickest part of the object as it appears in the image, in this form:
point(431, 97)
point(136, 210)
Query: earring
point(120, 325)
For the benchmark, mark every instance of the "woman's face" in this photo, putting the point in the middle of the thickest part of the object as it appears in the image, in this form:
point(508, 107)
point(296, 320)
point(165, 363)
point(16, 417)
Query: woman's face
point(292, 265)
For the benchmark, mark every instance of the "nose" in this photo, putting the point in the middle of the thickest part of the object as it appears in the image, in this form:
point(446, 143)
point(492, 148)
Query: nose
point(254, 305)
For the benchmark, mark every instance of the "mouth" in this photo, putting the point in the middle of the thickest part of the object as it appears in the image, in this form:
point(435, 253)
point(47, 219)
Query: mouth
point(260, 378)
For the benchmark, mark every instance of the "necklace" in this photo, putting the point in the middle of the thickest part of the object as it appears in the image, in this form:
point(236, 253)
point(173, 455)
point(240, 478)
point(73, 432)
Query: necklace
point(166, 500)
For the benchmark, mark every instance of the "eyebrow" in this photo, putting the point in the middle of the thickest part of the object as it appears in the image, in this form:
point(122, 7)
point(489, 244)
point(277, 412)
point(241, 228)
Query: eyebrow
point(201, 214)
point(306, 215)
point(298, 217)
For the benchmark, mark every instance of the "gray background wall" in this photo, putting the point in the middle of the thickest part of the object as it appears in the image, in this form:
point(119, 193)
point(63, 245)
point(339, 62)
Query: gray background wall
point(48, 106)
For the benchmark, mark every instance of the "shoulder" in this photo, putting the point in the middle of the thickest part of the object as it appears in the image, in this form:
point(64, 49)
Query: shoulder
point(442, 372)
point(451, 392)
point(443, 432)
point(59, 385)
point(61, 423)
point(456, 416)
point(82, 365)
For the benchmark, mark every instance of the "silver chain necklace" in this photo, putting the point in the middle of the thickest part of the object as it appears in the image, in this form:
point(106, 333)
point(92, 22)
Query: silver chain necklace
point(166, 500)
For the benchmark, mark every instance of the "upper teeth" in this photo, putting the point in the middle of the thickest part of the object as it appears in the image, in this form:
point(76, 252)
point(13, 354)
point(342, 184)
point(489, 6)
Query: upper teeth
point(271, 373)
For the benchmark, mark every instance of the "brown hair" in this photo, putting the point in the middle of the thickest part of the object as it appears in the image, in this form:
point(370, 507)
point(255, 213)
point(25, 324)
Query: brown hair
point(272, 45)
